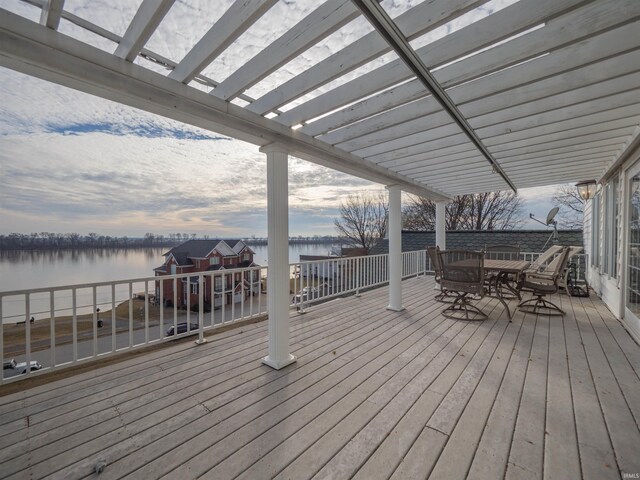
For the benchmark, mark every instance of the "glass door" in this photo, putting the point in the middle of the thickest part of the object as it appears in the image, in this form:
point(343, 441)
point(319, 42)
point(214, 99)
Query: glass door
point(632, 296)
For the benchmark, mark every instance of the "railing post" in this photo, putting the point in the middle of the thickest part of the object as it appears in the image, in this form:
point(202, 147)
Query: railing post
point(1, 340)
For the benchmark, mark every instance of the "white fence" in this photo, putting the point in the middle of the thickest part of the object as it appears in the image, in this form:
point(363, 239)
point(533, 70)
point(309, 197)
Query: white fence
point(62, 326)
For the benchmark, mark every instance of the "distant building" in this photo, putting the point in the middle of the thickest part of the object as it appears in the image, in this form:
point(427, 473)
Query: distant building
point(194, 256)
point(528, 240)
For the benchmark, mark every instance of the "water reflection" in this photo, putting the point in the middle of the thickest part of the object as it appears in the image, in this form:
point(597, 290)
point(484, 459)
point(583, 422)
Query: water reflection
point(78, 255)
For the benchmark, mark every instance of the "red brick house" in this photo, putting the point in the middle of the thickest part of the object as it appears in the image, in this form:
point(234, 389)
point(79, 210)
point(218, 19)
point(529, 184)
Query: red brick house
point(222, 256)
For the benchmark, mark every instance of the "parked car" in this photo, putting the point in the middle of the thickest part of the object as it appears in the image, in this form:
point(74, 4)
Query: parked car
point(10, 365)
point(182, 328)
point(311, 293)
point(21, 367)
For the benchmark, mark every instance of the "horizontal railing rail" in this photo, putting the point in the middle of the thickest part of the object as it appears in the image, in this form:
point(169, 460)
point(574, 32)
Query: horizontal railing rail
point(82, 322)
point(60, 326)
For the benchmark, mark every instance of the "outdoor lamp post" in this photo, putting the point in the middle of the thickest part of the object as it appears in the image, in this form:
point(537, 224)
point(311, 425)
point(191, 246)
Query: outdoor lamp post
point(587, 189)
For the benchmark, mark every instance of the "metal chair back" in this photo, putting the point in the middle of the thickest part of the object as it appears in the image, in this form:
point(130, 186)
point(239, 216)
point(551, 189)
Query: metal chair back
point(544, 258)
point(462, 271)
point(435, 261)
point(502, 252)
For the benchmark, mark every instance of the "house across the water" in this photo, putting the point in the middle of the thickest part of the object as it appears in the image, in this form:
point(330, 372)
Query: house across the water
point(231, 258)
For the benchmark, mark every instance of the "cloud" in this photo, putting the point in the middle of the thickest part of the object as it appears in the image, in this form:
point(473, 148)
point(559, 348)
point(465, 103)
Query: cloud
point(70, 161)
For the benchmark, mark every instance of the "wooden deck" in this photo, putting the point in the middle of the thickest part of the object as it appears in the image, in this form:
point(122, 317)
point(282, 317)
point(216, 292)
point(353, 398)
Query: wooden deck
point(374, 394)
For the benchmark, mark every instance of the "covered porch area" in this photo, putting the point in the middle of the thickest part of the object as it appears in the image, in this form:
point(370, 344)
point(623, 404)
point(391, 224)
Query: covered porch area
point(374, 394)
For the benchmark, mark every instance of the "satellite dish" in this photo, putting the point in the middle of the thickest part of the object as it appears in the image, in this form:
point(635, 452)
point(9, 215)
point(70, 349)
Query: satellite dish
point(551, 215)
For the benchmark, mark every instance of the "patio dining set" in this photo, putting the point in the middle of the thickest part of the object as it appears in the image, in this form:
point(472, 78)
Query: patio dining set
point(467, 276)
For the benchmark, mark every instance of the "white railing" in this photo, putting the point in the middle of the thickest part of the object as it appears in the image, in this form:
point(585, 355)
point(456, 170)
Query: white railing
point(61, 326)
point(321, 280)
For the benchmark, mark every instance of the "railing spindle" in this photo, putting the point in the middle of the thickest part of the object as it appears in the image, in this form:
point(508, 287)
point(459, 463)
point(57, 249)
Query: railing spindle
point(114, 344)
point(27, 330)
point(74, 326)
point(52, 330)
point(95, 322)
point(130, 315)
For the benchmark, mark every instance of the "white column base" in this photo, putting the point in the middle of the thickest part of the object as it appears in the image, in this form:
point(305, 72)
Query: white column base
point(200, 342)
point(395, 309)
point(278, 364)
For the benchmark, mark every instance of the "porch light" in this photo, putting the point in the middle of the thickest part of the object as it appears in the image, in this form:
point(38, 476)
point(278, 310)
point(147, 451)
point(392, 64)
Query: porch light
point(586, 189)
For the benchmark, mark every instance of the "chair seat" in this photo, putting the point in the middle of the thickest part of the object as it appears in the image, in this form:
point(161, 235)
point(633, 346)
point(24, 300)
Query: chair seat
point(539, 287)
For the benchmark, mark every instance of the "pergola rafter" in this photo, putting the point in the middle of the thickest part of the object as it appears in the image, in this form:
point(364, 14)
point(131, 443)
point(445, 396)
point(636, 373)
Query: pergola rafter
point(543, 83)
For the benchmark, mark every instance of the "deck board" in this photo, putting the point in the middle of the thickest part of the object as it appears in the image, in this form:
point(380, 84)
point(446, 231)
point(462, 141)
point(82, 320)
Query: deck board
point(374, 394)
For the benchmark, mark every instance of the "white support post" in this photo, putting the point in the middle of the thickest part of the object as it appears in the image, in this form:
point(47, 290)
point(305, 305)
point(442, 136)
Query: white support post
point(278, 252)
point(394, 229)
point(441, 225)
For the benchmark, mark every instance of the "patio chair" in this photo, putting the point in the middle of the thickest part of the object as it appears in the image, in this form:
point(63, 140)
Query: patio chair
point(543, 284)
point(463, 275)
point(443, 296)
point(549, 270)
point(541, 262)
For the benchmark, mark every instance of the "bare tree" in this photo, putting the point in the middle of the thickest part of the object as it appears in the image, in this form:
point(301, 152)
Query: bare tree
point(363, 219)
point(571, 206)
point(481, 211)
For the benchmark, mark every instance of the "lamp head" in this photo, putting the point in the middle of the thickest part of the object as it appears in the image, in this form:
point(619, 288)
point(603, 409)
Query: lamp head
point(587, 189)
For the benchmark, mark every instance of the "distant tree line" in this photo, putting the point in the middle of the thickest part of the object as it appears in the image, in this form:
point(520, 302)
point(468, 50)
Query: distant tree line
point(298, 239)
point(55, 241)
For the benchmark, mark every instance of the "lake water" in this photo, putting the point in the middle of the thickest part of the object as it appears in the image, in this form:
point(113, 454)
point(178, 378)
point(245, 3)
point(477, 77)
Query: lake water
point(24, 270)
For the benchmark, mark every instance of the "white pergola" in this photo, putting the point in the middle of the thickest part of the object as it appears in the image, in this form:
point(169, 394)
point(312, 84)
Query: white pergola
point(538, 93)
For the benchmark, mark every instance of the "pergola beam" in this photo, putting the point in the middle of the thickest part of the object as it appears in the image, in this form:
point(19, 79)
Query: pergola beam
point(29, 48)
point(500, 88)
point(51, 12)
point(417, 21)
point(389, 30)
point(144, 23)
point(233, 23)
point(483, 33)
point(319, 24)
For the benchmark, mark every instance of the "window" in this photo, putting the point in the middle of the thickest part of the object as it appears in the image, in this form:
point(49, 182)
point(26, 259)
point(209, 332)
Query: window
point(214, 261)
point(173, 269)
point(246, 257)
point(194, 288)
point(595, 231)
point(218, 283)
point(610, 233)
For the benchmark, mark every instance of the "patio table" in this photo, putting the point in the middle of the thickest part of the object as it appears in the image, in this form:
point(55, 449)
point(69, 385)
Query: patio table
point(501, 270)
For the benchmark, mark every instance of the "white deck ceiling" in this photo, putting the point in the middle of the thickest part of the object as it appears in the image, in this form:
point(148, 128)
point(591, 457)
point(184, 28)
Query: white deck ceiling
point(550, 87)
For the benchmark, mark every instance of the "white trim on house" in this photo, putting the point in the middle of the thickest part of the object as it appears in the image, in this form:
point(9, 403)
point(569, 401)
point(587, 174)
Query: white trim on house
point(607, 246)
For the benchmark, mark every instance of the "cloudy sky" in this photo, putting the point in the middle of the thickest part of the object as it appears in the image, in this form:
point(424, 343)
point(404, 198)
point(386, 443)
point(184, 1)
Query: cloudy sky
point(70, 162)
